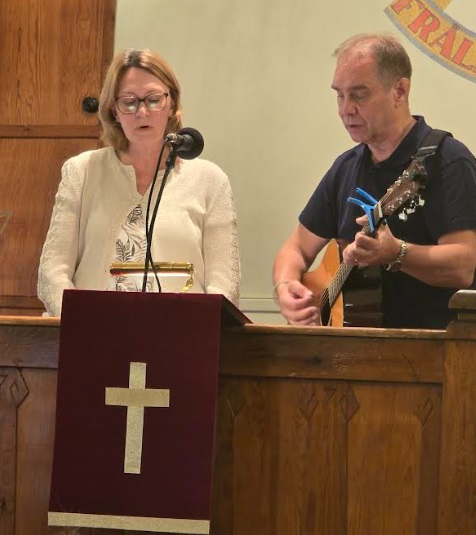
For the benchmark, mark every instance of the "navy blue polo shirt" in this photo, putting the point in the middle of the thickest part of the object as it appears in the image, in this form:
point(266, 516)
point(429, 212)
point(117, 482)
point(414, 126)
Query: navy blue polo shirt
point(450, 205)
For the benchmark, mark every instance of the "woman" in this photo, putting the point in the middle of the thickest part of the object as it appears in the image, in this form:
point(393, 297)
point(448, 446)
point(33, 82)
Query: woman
point(101, 204)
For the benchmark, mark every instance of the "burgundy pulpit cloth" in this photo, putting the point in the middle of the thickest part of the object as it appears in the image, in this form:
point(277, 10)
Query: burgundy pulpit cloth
point(135, 418)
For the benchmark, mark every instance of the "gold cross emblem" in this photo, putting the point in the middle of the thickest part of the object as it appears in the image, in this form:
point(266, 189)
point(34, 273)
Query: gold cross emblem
point(136, 398)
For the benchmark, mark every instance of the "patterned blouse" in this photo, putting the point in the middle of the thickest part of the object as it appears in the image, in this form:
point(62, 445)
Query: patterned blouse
point(131, 246)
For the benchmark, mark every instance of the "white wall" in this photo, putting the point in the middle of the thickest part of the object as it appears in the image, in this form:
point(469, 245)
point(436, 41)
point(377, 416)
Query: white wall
point(255, 76)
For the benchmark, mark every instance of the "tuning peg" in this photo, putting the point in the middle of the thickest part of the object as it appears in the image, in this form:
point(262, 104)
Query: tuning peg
point(403, 215)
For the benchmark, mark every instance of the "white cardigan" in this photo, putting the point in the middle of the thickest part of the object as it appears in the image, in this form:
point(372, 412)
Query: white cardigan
point(195, 223)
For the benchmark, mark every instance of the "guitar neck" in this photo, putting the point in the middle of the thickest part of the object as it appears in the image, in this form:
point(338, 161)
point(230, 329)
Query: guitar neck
point(330, 294)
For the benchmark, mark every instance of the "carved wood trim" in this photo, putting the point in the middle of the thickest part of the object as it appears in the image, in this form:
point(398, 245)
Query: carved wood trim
point(29, 346)
point(13, 391)
point(47, 131)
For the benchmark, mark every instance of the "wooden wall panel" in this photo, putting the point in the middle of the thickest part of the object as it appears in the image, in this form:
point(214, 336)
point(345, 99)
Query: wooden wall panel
point(52, 57)
point(54, 54)
point(313, 434)
point(457, 497)
point(277, 434)
point(385, 444)
point(34, 446)
point(29, 195)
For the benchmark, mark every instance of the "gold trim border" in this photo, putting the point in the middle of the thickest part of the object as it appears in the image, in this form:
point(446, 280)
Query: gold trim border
point(133, 523)
point(414, 18)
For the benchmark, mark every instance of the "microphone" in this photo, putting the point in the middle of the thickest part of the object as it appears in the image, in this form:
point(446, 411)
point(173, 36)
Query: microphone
point(187, 142)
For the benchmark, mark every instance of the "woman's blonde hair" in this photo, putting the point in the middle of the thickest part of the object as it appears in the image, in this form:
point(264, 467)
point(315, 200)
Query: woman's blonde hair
point(151, 62)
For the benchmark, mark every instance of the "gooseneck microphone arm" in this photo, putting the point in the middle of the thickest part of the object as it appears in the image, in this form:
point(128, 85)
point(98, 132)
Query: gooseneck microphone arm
point(188, 144)
point(149, 226)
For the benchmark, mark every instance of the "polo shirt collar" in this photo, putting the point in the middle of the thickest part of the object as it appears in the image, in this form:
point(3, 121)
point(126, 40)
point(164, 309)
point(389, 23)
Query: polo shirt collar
point(408, 146)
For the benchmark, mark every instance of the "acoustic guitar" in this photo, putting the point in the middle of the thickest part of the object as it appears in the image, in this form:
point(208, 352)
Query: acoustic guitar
point(332, 298)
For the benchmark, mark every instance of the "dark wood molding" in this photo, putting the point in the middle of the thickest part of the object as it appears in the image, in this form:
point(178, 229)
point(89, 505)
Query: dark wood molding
point(49, 131)
point(20, 305)
point(29, 346)
point(109, 26)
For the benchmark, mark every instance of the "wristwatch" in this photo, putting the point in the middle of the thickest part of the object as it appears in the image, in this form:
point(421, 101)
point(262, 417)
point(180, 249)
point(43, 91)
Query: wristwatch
point(397, 263)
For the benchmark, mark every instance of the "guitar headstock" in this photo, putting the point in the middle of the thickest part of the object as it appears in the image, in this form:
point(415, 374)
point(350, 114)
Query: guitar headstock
point(403, 196)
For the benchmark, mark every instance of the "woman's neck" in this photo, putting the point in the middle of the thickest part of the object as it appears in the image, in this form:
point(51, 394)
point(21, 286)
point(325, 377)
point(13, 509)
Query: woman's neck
point(144, 161)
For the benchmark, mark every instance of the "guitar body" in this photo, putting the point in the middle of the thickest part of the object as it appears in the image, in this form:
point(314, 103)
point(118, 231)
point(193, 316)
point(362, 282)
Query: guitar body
point(359, 303)
point(320, 278)
point(362, 295)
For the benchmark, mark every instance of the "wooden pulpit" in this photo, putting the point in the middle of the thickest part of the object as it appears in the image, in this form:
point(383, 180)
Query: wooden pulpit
point(319, 431)
point(136, 404)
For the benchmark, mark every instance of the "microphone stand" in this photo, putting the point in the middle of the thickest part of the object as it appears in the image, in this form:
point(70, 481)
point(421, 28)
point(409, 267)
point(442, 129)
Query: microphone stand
point(149, 228)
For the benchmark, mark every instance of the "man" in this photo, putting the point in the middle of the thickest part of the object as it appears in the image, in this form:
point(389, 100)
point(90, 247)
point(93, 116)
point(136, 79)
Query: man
point(433, 253)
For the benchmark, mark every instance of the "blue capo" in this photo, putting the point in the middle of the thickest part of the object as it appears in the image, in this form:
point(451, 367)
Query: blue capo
point(367, 208)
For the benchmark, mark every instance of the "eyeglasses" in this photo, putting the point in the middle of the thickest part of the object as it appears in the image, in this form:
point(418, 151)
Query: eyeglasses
point(130, 104)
